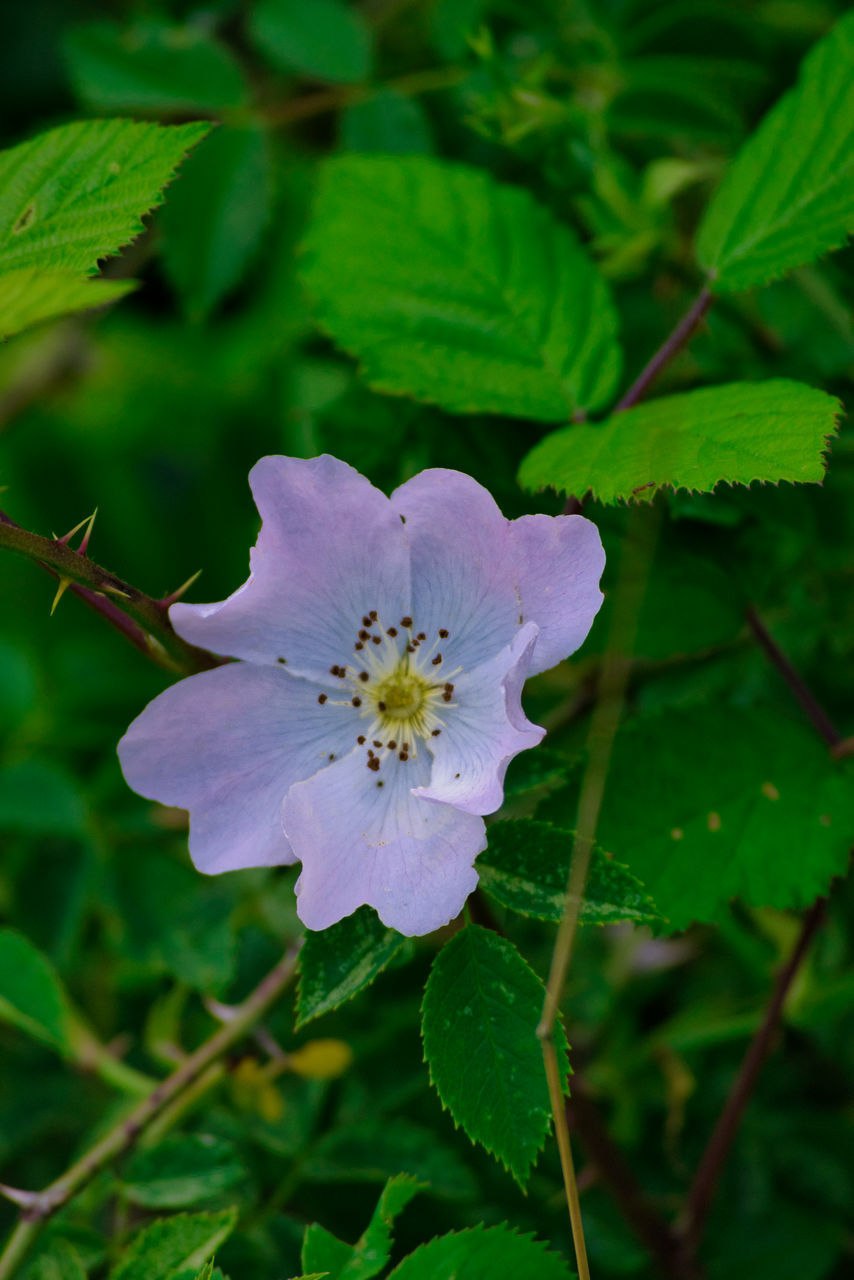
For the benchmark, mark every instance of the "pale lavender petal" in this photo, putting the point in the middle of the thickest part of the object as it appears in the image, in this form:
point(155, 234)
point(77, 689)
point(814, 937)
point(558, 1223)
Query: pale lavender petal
point(331, 550)
point(359, 843)
point(227, 745)
point(558, 563)
point(463, 579)
point(484, 730)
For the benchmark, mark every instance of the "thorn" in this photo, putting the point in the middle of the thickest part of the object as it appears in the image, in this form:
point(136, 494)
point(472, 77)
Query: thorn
point(114, 591)
point(843, 749)
point(25, 1199)
point(64, 584)
point(84, 541)
point(66, 538)
point(176, 595)
point(224, 1013)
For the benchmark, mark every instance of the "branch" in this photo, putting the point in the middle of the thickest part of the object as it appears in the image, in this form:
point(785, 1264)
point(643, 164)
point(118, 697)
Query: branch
point(39, 1206)
point(681, 335)
point(141, 619)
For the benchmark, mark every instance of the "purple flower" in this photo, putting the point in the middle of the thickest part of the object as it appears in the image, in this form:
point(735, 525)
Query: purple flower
point(383, 645)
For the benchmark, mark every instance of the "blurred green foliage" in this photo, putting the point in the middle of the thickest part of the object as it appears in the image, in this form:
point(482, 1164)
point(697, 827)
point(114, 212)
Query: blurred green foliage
point(620, 118)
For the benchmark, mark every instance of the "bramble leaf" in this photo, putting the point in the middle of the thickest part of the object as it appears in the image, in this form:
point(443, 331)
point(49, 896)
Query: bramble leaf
point(711, 803)
point(737, 433)
point(31, 995)
point(789, 196)
point(28, 296)
point(480, 1252)
point(182, 1171)
point(77, 194)
point(183, 1242)
point(338, 962)
point(480, 1014)
point(454, 289)
point(526, 868)
point(322, 1251)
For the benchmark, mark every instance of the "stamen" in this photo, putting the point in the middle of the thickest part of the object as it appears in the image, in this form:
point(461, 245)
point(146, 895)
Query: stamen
point(363, 675)
point(406, 622)
point(321, 698)
point(443, 634)
point(357, 702)
point(437, 660)
point(374, 764)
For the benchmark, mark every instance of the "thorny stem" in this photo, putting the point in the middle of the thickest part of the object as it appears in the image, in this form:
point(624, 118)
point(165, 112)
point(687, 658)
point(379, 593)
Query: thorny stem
point(681, 335)
point(141, 619)
point(42, 1205)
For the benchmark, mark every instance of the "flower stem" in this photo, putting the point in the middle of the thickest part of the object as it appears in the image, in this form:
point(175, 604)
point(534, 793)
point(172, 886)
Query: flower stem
point(672, 345)
point(819, 718)
point(141, 619)
point(43, 1205)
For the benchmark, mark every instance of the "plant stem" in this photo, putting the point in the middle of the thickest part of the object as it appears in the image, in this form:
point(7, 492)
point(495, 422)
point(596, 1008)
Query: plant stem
point(638, 548)
point(141, 619)
point(42, 1205)
point(701, 1195)
point(681, 335)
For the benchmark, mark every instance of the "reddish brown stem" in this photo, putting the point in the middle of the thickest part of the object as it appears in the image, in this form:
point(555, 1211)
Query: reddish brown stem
point(819, 718)
point(671, 347)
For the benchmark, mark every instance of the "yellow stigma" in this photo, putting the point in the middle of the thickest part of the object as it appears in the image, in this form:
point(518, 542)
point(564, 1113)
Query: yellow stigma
point(402, 694)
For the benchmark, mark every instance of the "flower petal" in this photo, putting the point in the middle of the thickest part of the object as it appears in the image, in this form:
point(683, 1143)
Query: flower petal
point(559, 561)
point(330, 550)
point(411, 859)
point(226, 745)
point(462, 568)
point(484, 731)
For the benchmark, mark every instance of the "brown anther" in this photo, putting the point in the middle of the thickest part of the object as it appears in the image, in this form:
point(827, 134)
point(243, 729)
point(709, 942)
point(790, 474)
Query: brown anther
point(443, 634)
point(333, 671)
point(410, 648)
point(366, 621)
point(401, 755)
point(392, 746)
point(435, 733)
point(437, 660)
point(357, 702)
point(363, 676)
point(377, 743)
point(421, 636)
point(392, 631)
point(380, 706)
point(377, 639)
point(406, 622)
point(282, 660)
point(374, 764)
point(364, 635)
point(447, 695)
point(361, 739)
point(331, 755)
point(374, 615)
point(359, 645)
point(321, 698)
point(380, 783)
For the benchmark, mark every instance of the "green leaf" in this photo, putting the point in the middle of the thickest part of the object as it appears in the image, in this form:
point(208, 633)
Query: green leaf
point(214, 219)
point(60, 1261)
point(149, 66)
point(28, 296)
point(454, 289)
point(182, 1171)
point(482, 1253)
point(341, 961)
point(710, 803)
point(481, 1009)
point(533, 769)
point(365, 1259)
point(789, 196)
point(172, 1245)
point(31, 995)
point(326, 39)
point(77, 194)
point(38, 797)
point(738, 433)
point(526, 868)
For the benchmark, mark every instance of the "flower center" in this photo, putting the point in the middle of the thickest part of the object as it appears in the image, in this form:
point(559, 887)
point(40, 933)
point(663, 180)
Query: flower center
point(403, 693)
point(396, 682)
